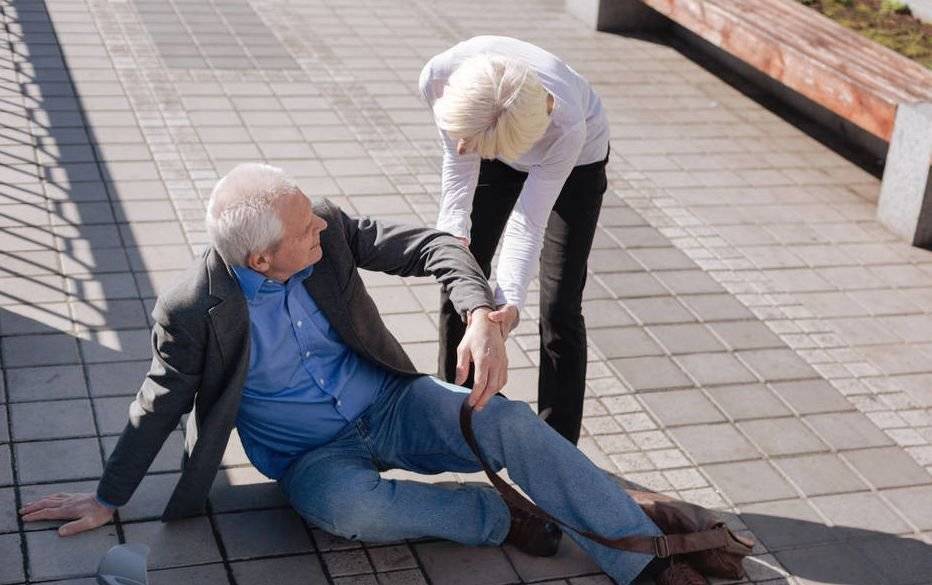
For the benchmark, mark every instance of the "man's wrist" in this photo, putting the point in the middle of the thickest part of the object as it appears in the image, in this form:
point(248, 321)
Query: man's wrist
point(483, 309)
point(105, 503)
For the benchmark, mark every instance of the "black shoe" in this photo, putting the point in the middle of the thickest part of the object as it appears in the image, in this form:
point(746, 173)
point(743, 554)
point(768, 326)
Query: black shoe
point(532, 535)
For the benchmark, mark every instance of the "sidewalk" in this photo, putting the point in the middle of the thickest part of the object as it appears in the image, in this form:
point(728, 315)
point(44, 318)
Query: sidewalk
point(758, 342)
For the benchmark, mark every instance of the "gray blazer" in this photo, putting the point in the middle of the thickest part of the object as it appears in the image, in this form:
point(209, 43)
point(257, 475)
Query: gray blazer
point(200, 343)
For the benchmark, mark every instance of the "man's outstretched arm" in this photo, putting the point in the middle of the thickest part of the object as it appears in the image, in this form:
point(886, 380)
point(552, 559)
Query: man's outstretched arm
point(407, 250)
point(166, 394)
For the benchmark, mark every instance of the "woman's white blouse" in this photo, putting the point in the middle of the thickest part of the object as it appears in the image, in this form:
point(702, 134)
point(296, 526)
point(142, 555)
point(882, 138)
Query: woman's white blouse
point(578, 135)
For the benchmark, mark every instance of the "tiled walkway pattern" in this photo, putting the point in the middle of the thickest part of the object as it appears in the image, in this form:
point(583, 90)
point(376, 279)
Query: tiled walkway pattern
point(758, 342)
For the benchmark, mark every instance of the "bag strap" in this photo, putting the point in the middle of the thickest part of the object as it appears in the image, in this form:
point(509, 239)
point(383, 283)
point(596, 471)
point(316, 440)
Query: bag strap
point(659, 546)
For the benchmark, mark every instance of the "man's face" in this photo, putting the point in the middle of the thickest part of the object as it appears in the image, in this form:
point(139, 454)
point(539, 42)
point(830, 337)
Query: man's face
point(300, 243)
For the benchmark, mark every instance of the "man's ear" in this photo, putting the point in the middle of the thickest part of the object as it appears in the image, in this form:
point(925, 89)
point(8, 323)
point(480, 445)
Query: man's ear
point(259, 261)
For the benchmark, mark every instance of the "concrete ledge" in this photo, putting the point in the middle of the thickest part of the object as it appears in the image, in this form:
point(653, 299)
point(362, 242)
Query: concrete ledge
point(905, 204)
point(617, 15)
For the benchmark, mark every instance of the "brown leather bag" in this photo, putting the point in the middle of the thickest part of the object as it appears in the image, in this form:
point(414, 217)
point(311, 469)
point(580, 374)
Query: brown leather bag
point(691, 532)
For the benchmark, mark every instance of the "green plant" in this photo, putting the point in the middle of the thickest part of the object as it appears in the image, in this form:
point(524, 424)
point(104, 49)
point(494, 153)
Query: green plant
point(894, 6)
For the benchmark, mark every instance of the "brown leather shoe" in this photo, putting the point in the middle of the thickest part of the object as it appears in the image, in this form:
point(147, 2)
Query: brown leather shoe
point(533, 536)
point(679, 573)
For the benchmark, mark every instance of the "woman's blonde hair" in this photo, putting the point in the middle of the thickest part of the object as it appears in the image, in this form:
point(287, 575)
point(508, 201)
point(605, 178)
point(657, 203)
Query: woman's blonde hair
point(496, 105)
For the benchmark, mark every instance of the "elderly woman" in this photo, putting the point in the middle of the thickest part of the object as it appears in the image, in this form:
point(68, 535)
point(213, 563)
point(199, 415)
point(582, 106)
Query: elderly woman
point(525, 144)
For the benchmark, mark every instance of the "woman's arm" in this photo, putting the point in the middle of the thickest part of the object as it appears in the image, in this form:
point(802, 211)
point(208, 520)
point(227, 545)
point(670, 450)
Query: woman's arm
point(524, 233)
point(459, 176)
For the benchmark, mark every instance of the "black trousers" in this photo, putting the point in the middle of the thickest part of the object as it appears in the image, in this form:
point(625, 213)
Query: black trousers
point(563, 262)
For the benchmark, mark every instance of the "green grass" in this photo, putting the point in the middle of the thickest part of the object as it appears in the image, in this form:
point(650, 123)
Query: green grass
point(887, 22)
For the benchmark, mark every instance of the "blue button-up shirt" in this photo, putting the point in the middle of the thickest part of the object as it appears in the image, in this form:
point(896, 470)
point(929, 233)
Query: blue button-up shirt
point(304, 384)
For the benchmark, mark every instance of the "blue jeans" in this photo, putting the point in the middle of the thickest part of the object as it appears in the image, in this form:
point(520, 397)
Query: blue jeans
point(415, 426)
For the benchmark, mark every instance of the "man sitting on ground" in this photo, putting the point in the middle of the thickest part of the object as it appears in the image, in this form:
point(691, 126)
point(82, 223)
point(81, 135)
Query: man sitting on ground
point(272, 331)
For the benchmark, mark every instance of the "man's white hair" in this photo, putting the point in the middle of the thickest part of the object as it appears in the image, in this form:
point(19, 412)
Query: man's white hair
point(241, 218)
point(496, 105)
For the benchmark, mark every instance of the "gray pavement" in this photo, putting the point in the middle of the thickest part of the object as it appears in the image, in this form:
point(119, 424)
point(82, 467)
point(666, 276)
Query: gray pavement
point(758, 342)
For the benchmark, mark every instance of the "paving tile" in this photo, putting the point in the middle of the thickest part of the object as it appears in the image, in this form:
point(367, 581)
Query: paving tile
point(650, 311)
point(888, 467)
point(897, 359)
point(776, 364)
point(150, 498)
point(8, 515)
point(782, 436)
point(569, 561)
point(345, 563)
point(282, 532)
point(116, 346)
point(740, 335)
point(633, 284)
point(660, 258)
point(58, 460)
point(57, 419)
point(913, 502)
point(392, 558)
point(617, 342)
point(214, 574)
point(612, 260)
point(684, 282)
point(39, 350)
point(116, 379)
point(902, 560)
point(818, 475)
point(812, 396)
point(45, 383)
point(447, 563)
point(54, 557)
point(715, 368)
point(681, 407)
point(714, 443)
point(787, 524)
point(11, 559)
point(747, 401)
point(861, 511)
point(716, 307)
point(297, 570)
point(651, 373)
point(244, 488)
point(749, 481)
point(687, 338)
point(175, 544)
point(850, 430)
point(606, 313)
point(830, 563)
point(406, 577)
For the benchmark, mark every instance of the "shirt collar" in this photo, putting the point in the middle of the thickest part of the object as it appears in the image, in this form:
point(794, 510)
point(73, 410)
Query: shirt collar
point(255, 283)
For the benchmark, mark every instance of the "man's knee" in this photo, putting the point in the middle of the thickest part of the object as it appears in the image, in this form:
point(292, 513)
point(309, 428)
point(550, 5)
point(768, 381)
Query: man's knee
point(349, 509)
point(514, 420)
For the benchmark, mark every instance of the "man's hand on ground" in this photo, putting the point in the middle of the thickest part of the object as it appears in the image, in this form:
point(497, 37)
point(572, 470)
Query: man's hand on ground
point(484, 345)
point(84, 511)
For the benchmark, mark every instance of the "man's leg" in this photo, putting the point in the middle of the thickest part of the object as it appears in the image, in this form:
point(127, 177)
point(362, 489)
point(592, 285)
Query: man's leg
point(338, 488)
point(495, 197)
point(421, 433)
point(561, 385)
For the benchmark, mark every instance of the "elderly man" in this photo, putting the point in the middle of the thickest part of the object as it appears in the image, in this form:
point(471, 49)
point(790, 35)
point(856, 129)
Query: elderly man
point(272, 332)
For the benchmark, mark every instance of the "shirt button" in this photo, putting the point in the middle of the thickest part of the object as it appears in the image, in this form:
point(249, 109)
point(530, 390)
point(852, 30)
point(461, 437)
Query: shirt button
point(299, 323)
point(321, 381)
point(339, 403)
point(307, 354)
